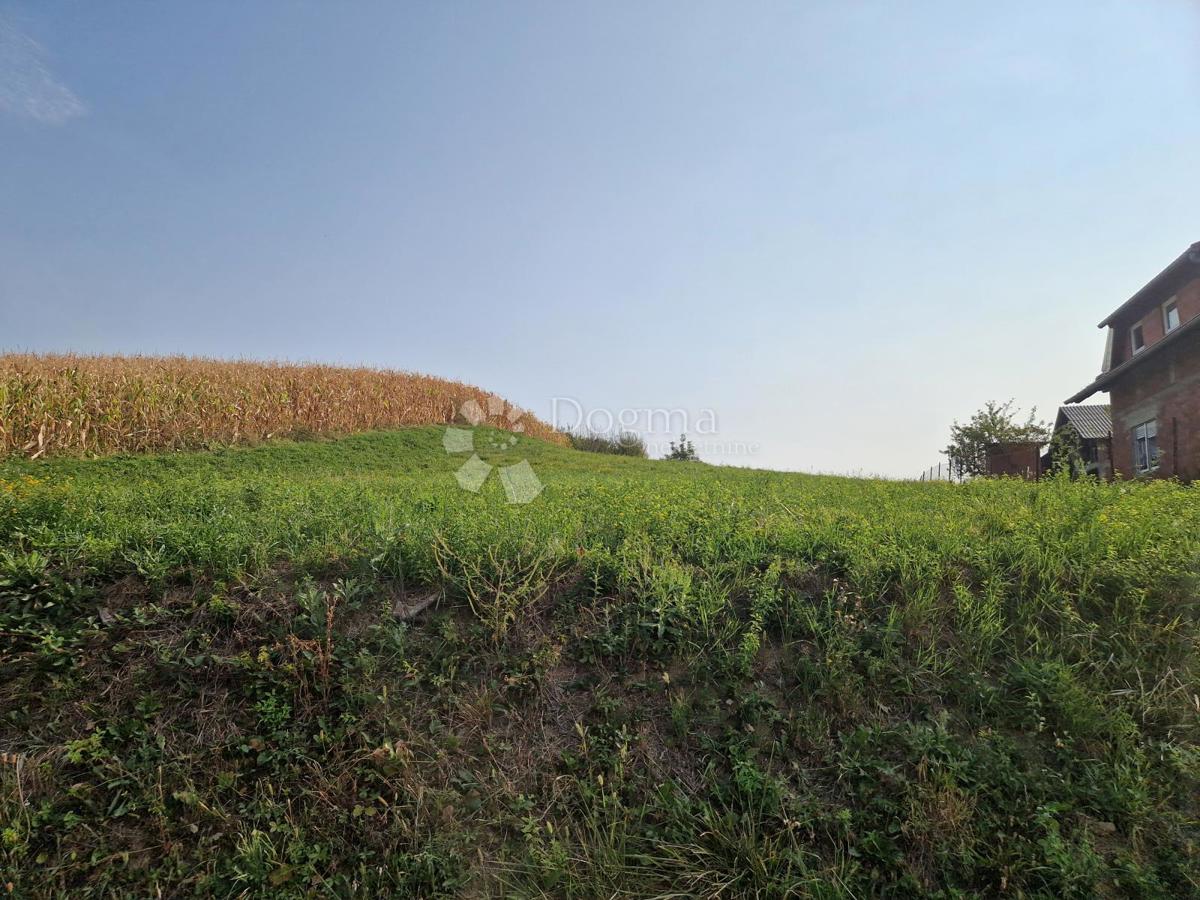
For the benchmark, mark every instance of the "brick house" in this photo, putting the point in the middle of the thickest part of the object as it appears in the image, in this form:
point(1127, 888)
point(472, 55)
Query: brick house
point(1151, 372)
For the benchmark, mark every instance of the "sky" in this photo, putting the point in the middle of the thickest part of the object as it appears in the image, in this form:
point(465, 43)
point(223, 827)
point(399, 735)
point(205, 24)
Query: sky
point(811, 233)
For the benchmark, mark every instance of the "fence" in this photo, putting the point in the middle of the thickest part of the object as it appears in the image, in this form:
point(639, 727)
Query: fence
point(943, 471)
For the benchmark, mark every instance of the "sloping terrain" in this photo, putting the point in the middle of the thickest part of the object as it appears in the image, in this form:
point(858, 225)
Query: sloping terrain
point(654, 679)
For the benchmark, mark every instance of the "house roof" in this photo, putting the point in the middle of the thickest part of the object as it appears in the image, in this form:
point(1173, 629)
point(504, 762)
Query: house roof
point(1093, 422)
point(1162, 284)
point(1107, 378)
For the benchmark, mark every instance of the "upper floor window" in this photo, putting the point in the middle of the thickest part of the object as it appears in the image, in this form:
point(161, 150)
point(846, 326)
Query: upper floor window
point(1170, 315)
point(1138, 338)
point(1145, 446)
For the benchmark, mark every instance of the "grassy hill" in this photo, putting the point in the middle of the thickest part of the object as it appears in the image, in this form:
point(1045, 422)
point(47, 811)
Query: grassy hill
point(655, 679)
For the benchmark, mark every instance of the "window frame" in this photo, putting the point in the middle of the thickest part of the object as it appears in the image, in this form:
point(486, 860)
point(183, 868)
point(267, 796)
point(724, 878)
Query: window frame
point(1136, 345)
point(1171, 306)
point(1143, 441)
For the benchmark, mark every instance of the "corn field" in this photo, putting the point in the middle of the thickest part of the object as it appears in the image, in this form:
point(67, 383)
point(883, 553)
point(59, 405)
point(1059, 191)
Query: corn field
point(92, 405)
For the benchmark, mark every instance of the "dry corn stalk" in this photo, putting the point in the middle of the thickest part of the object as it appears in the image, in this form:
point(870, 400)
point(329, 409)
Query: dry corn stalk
point(64, 404)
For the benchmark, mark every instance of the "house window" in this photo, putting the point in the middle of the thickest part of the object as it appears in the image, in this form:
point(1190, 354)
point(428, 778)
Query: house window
point(1139, 339)
point(1170, 315)
point(1145, 446)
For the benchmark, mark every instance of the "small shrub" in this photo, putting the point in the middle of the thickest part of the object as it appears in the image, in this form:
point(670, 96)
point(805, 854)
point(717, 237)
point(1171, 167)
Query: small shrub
point(621, 443)
point(684, 451)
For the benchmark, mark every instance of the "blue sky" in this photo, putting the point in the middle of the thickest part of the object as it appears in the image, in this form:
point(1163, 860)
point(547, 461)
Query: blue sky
point(838, 226)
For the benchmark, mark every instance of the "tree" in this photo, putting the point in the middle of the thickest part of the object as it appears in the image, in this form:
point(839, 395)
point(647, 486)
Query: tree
point(995, 423)
point(683, 451)
point(1066, 452)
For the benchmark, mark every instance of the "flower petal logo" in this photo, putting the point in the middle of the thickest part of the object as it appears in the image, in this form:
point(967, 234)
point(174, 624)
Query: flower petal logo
point(520, 482)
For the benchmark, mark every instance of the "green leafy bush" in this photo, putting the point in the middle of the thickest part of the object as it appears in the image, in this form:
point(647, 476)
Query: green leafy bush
point(622, 443)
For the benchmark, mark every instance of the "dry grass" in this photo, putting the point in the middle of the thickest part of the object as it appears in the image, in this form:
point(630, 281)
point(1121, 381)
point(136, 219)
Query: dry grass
point(76, 405)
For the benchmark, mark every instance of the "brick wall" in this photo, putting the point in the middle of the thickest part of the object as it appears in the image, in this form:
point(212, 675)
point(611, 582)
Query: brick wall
point(1021, 459)
point(1165, 388)
point(1153, 328)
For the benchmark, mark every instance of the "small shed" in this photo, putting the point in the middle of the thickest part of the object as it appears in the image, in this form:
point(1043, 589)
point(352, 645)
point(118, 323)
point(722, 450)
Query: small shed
point(1022, 459)
point(1091, 425)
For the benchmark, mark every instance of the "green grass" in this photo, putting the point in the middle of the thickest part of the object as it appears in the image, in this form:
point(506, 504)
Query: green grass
point(656, 679)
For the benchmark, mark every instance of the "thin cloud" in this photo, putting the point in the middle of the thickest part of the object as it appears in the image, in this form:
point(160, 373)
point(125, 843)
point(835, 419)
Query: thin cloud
point(27, 86)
